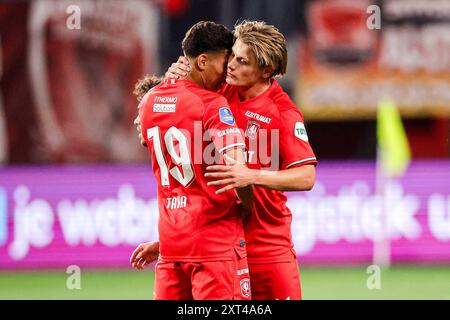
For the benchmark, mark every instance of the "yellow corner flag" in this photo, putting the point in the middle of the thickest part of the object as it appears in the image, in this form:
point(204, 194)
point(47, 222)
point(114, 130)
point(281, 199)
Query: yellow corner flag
point(392, 141)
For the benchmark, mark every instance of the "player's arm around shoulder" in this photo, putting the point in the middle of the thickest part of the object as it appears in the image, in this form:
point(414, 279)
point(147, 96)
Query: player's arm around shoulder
point(298, 167)
point(300, 178)
point(298, 162)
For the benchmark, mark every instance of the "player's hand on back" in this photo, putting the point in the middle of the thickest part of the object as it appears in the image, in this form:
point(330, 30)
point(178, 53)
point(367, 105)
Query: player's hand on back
point(179, 69)
point(144, 254)
point(233, 175)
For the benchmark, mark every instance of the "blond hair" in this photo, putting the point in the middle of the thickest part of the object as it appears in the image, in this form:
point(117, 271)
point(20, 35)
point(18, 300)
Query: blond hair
point(266, 42)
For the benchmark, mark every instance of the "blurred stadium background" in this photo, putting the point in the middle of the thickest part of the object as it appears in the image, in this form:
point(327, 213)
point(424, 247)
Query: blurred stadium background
point(76, 188)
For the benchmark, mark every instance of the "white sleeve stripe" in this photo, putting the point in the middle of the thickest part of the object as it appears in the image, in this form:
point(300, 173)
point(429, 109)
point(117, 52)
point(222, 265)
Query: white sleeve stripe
point(300, 161)
point(231, 146)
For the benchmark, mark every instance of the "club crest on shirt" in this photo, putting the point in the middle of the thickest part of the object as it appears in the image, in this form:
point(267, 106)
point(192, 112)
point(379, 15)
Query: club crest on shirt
point(300, 131)
point(245, 287)
point(226, 116)
point(252, 129)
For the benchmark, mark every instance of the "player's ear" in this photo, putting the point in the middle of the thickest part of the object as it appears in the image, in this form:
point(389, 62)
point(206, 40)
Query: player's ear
point(267, 72)
point(202, 61)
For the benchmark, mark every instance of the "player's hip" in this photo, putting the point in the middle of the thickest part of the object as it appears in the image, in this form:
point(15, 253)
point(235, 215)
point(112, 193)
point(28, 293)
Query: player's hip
point(204, 280)
point(275, 280)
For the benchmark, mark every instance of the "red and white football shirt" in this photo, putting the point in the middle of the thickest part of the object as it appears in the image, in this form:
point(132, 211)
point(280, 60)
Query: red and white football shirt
point(276, 139)
point(185, 126)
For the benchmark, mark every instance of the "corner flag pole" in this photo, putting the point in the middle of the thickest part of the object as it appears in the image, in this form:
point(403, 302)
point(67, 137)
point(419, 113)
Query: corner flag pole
point(382, 243)
point(393, 157)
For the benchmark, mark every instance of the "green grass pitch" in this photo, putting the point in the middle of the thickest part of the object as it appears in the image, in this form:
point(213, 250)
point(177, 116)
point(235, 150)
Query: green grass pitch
point(398, 282)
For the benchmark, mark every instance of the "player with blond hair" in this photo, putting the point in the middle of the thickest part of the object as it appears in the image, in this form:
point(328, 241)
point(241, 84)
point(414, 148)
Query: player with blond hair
point(265, 113)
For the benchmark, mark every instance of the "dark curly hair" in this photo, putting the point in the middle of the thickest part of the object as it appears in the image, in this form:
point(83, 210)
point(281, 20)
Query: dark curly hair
point(206, 36)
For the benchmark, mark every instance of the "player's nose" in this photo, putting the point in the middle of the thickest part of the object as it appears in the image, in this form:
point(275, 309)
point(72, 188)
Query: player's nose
point(230, 66)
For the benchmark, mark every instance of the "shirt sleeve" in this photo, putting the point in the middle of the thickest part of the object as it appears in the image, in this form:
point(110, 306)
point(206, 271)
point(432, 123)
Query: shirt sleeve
point(295, 149)
point(221, 126)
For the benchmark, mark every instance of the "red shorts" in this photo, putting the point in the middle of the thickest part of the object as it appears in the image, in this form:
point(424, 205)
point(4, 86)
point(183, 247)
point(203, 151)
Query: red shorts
point(276, 281)
point(211, 280)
